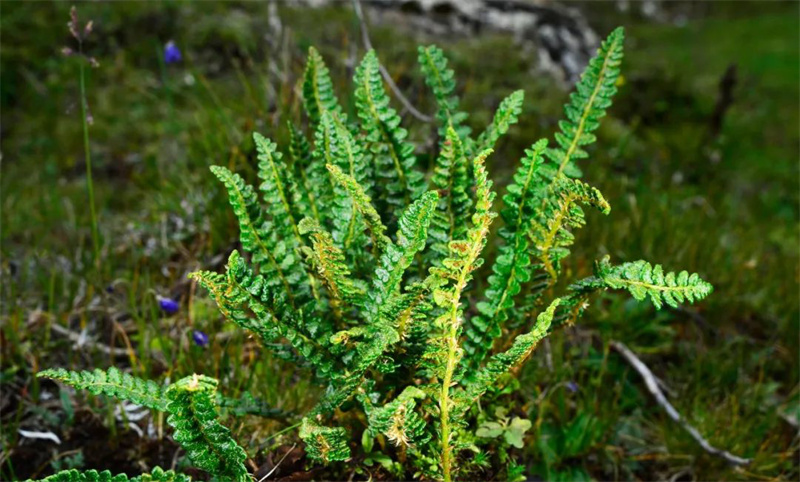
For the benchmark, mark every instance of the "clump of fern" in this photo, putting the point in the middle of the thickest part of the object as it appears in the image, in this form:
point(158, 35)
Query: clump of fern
point(359, 265)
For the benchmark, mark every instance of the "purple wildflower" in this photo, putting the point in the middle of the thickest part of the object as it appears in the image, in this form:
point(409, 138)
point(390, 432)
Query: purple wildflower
point(172, 55)
point(200, 338)
point(572, 386)
point(168, 305)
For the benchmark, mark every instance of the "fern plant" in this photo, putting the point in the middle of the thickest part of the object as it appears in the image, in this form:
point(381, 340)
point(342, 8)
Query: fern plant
point(359, 265)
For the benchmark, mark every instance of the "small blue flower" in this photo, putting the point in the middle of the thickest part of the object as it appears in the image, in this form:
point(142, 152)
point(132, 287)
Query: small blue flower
point(172, 55)
point(168, 305)
point(200, 338)
point(572, 386)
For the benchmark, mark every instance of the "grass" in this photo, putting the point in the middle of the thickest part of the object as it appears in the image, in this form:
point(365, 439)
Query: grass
point(726, 208)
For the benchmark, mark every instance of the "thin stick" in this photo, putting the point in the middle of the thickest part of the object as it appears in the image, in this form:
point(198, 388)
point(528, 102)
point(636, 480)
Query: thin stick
point(385, 73)
point(262, 479)
point(652, 386)
point(80, 341)
point(88, 158)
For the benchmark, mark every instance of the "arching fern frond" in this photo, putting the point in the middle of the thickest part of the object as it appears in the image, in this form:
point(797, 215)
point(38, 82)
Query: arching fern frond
point(395, 162)
point(73, 475)
point(512, 267)
point(209, 445)
point(324, 444)
point(452, 214)
point(274, 318)
point(329, 262)
point(502, 363)
point(644, 280)
point(364, 205)
point(318, 95)
point(507, 115)
point(399, 421)
point(560, 214)
point(253, 229)
point(586, 107)
point(442, 82)
point(113, 383)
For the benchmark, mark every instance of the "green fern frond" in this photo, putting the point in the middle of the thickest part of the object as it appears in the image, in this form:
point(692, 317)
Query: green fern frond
point(275, 188)
point(300, 152)
point(113, 383)
point(325, 444)
point(644, 280)
point(364, 205)
point(452, 181)
point(209, 445)
point(346, 219)
point(284, 235)
point(502, 363)
point(73, 475)
point(395, 162)
point(318, 95)
point(449, 282)
point(412, 232)
point(274, 317)
point(442, 82)
point(329, 262)
point(399, 421)
point(253, 229)
point(587, 106)
point(561, 213)
point(512, 267)
point(507, 115)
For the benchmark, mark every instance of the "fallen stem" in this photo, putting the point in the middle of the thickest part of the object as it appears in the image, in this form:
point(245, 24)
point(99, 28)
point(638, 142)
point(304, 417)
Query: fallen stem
point(652, 385)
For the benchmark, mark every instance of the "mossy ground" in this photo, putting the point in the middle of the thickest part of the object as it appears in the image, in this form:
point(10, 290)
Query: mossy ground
point(726, 207)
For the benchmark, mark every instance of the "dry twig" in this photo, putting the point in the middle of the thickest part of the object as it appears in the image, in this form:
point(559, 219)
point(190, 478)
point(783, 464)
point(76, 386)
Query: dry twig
point(652, 386)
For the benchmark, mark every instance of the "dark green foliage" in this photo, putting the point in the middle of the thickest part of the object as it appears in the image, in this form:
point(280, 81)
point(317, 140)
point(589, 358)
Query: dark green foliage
point(193, 415)
point(324, 443)
point(587, 106)
point(442, 82)
point(318, 95)
point(512, 267)
point(358, 273)
point(451, 179)
point(113, 383)
point(394, 159)
point(192, 407)
point(157, 475)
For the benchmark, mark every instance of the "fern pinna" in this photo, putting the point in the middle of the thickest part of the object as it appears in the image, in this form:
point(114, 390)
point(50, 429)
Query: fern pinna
point(358, 265)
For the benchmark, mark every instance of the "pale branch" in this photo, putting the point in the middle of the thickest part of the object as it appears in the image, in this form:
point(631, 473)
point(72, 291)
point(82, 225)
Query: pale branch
point(652, 386)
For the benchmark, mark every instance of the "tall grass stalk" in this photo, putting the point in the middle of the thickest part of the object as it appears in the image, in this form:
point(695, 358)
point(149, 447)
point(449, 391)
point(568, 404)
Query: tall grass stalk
point(88, 157)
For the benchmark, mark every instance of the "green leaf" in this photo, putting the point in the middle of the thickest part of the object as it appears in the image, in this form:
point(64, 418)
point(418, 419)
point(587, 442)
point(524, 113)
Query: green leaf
point(490, 430)
point(113, 383)
point(324, 444)
point(507, 115)
point(208, 444)
point(442, 82)
point(395, 162)
point(515, 432)
point(318, 95)
point(644, 280)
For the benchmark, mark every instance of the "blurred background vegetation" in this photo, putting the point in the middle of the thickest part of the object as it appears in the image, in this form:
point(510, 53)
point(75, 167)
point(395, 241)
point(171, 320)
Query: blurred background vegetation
point(717, 197)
